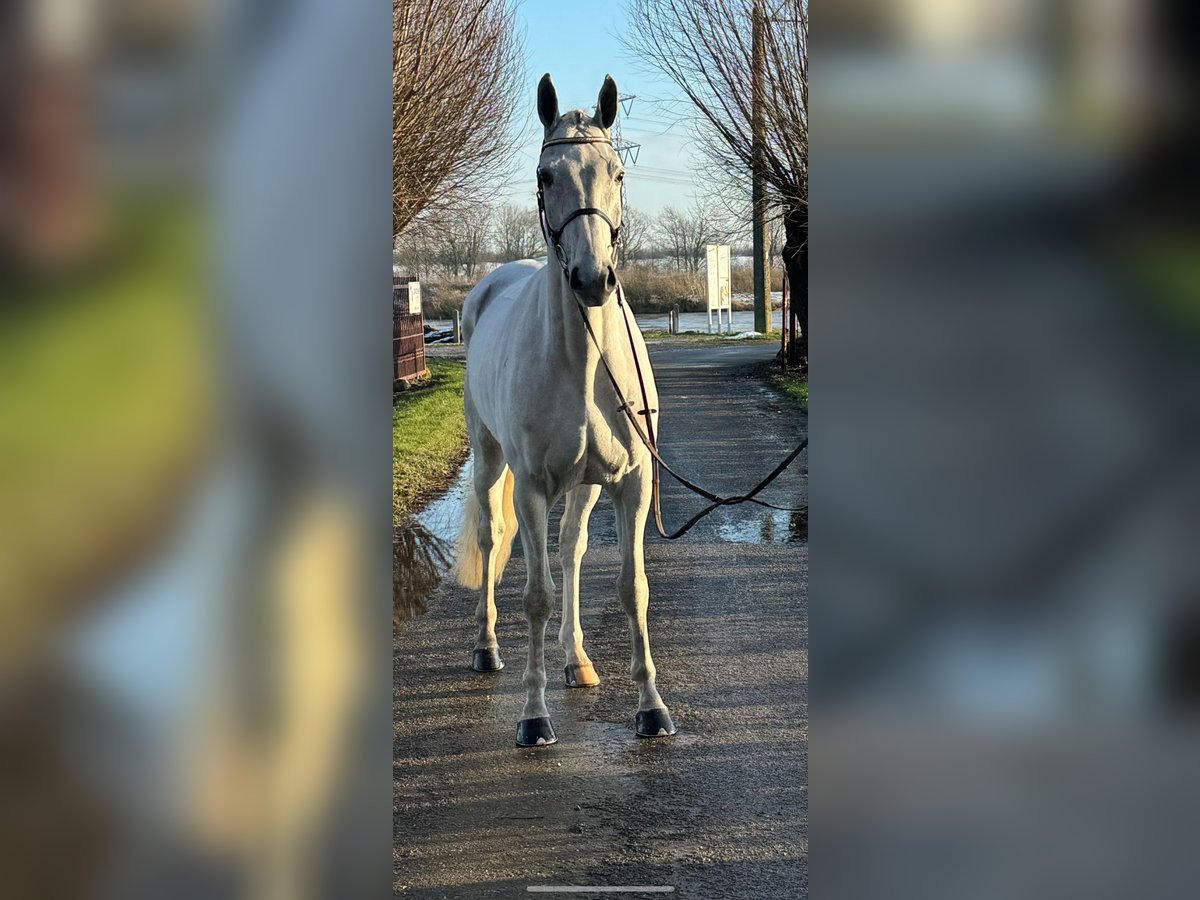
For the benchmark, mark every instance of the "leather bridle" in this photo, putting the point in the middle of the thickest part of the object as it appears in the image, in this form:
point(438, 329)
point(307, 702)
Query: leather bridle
point(554, 235)
point(646, 436)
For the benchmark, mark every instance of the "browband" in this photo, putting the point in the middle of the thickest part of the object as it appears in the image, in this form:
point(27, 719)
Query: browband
point(583, 139)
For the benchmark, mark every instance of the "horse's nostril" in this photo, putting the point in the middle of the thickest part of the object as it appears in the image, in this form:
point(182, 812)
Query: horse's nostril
point(576, 284)
point(611, 279)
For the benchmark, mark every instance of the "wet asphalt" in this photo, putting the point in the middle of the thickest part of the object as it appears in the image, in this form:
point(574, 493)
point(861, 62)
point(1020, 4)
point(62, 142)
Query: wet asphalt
point(720, 809)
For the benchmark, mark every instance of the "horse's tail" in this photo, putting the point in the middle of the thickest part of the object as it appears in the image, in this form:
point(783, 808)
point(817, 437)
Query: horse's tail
point(509, 517)
point(468, 570)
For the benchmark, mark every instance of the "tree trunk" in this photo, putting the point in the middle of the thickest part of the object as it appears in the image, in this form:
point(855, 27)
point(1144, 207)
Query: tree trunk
point(795, 259)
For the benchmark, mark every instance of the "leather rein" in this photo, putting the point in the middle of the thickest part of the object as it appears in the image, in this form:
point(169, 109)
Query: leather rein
point(647, 436)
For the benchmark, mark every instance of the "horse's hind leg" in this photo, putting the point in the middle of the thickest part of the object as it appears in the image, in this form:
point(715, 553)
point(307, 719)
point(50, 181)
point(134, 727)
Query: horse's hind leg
point(532, 507)
point(489, 491)
point(572, 544)
point(632, 497)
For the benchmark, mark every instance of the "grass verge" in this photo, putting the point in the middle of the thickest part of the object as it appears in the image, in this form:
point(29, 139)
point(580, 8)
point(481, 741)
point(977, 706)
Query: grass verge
point(429, 436)
point(701, 337)
point(792, 385)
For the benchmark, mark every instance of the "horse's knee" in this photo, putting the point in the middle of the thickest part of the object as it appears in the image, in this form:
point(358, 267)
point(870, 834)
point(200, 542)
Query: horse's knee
point(573, 548)
point(537, 604)
point(632, 588)
point(572, 533)
point(485, 527)
point(487, 542)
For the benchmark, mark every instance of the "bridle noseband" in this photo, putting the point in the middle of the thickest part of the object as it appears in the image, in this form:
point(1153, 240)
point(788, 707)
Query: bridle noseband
point(554, 235)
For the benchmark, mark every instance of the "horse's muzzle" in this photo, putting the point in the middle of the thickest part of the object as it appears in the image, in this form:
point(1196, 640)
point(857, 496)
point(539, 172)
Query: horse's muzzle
point(593, 288)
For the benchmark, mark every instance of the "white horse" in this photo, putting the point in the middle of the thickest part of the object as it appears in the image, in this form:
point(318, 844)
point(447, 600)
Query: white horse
point(544, 420)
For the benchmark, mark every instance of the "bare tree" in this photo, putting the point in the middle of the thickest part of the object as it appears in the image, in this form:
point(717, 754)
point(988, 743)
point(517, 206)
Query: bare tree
point(415, 250)
point(518, 233)
point(686, 234)
point(676, 235)
point(706, 48)
point(464, 239)
point(448, 243)
point(775, 250)
point(457, 67)
point(635, 234)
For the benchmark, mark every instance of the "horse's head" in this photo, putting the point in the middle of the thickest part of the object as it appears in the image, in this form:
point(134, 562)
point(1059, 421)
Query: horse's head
point(579, 183)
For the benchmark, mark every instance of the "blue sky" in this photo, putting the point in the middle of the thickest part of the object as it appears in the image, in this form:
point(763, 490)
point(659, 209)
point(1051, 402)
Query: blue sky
point(576, 43)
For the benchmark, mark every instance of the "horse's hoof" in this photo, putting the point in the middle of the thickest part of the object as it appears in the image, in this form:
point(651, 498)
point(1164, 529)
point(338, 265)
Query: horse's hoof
point(652, 723)
point(581, 676)
point(536, 732)
point(486, 660)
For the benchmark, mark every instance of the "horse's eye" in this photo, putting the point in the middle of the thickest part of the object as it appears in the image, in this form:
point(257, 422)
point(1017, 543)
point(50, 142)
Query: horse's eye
point(544, 177)
point(620, 176)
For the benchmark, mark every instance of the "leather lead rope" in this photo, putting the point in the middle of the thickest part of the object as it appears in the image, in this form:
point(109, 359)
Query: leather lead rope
point(651, 443)
point(553, 236)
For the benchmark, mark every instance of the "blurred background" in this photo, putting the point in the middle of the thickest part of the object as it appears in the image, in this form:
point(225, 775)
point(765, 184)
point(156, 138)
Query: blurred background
point(194, 471)
point(1005, 665)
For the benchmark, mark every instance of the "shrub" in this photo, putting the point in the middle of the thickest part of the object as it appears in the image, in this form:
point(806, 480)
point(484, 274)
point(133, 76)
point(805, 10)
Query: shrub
point(648, 289)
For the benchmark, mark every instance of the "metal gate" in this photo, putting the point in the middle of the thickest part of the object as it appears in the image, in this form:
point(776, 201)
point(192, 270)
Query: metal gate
point(408, 331)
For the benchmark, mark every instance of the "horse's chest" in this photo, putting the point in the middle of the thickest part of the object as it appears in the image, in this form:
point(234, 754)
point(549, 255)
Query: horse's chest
point(577, 444)
point(608, 457)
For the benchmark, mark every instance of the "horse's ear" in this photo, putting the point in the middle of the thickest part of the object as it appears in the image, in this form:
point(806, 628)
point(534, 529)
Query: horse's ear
point(547, 101)
point(606, 106)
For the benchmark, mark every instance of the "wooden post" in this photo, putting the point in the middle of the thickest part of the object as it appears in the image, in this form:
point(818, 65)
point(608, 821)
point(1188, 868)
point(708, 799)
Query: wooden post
point(457, 326)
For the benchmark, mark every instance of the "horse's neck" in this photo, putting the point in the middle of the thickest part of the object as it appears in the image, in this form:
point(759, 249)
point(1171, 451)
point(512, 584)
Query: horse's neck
point(564, 333)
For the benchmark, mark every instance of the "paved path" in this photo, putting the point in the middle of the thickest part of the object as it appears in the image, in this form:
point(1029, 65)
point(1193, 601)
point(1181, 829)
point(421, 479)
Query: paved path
point(717, 811)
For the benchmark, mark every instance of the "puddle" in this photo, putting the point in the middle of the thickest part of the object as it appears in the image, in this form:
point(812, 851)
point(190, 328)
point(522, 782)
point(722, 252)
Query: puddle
point(757, 525)
point(420, 559)
point(423, 549)
point(443, 516)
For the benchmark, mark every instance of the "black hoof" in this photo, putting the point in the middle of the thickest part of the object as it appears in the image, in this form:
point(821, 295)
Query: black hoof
point(580, 676)
point(653, 723)
point(535, 732)
point(486, 661)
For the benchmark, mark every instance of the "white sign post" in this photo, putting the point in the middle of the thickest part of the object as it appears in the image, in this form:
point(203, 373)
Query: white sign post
point(719, 296)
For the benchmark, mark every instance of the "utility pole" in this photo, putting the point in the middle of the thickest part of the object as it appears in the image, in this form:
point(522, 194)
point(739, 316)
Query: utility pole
point(628, 151)
point(758, 195)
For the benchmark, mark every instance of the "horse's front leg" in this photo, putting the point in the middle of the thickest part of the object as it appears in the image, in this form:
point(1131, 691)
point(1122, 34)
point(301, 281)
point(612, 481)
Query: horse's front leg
point(632, 498)
point(532, 505)
point(572, 544)
point(490, 483)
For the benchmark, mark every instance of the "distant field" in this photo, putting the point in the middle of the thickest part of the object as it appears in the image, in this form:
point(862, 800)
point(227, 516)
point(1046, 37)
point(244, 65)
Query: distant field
point(651, 286)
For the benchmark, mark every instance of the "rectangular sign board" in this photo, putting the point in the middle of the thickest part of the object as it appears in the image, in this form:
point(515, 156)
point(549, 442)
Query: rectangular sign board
point(719, 294)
